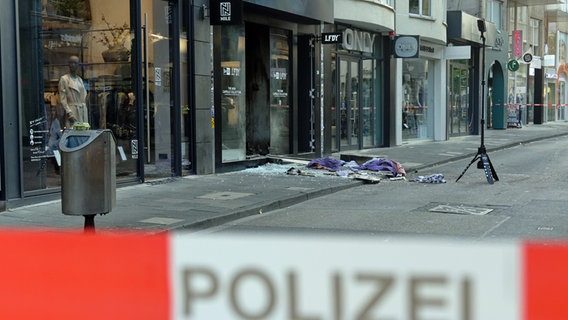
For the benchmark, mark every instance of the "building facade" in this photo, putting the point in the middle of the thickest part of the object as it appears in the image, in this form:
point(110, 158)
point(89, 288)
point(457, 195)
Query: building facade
point(183, 91)
point(202, 86)
point(419, 96)
point(356, 86)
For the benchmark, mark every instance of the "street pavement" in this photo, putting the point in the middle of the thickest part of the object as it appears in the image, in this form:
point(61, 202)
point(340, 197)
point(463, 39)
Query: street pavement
point(196, 202)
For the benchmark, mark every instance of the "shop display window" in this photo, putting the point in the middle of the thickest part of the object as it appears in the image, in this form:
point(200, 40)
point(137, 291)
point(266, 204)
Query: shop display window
point(279, 88)
point(231, 60)
point(98, 34)
point(417, 112)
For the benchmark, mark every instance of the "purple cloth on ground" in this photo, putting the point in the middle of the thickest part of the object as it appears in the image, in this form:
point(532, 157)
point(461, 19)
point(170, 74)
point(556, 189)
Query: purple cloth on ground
point(379, 164)
point(327, 163)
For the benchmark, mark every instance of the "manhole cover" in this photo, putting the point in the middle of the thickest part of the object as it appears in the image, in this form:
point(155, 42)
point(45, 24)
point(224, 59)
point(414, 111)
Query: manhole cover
point(225, 195)
point(459, 209)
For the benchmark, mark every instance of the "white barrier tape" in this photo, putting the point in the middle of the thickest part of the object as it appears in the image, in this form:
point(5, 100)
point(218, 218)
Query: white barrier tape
point(186, 276)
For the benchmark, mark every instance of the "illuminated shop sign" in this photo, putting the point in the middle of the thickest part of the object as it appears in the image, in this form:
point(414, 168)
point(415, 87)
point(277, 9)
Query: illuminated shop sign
point(226, 12)
point(356, 40)
point(518, 43)
point(331, 37)
point(406, 46)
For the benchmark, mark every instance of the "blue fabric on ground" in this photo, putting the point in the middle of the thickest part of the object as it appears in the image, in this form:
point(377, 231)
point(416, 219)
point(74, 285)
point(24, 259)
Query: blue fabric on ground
point(326, 163)
point(379, 164)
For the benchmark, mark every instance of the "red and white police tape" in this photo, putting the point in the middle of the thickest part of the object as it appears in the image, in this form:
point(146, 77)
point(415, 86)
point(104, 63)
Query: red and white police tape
point(47, 275)
point(516, 105)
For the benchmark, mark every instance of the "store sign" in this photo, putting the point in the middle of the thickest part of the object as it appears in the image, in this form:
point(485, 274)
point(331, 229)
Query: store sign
point(357, 40)
point(406, 46)
point(518, 43)
point(457, 52)
point(513, 65)
point(498, 45)
point(427, 49)
point(536, 62)
point(333, 37)
point(226, 12)
point(549, 60)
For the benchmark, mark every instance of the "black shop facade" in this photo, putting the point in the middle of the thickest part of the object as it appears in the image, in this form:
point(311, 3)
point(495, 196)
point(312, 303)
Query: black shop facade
point(181, 95)
point(355, 117)
point(266, 81)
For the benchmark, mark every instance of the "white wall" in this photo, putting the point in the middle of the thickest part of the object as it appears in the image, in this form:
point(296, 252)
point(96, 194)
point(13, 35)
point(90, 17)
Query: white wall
point(431, 28)
point(366, 14)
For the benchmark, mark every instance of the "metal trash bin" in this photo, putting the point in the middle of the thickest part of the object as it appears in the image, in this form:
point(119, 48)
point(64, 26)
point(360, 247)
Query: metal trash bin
point(88, 172)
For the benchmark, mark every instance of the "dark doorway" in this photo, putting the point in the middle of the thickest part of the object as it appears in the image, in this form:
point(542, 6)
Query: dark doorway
point(268, 74)
point(257, 89)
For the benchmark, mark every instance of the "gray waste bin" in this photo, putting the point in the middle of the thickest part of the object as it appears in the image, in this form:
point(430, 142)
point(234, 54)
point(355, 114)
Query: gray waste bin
point(88, 172)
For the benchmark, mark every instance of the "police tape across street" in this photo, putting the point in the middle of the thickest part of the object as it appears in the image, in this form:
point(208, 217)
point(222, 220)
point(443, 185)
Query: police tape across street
point(48, 275)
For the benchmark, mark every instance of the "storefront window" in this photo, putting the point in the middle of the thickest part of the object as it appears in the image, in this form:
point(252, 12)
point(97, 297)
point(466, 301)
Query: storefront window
point(356, 117)
point(232, 88)
point(458, 98)
point(417, 117)
point(334, 104)
point(96, 38)
point(184, 85)
point(349, 97)
point(368, 102)
point(562, 72)
point(279, 87)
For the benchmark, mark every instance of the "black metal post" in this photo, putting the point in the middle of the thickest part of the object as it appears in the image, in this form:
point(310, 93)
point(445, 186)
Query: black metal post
point(89, 223)
point(483, 159)
point(482, 89)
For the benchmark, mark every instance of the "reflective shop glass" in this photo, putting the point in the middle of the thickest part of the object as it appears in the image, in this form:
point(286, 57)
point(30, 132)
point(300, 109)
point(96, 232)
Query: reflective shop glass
point(98, 34)
point(98, 87)
point(417, 100)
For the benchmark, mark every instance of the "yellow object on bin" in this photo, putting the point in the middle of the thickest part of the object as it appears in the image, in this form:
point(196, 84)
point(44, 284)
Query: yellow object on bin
point(81, 126)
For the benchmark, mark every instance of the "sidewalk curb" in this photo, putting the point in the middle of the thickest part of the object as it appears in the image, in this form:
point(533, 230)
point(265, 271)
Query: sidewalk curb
point(289, 201)
point(261, 208)
point(469, 155)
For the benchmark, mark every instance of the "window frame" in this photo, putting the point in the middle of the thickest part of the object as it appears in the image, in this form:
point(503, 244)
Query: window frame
point(421, 7)
point(492, 16)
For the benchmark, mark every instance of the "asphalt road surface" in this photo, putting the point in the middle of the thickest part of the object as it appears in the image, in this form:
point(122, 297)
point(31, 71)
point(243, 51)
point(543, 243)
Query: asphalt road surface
point(530, 201)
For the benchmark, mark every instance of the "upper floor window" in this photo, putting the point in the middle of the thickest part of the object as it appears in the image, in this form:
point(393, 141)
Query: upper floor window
point(534, 35)
point(420, 7)
point(494, 13)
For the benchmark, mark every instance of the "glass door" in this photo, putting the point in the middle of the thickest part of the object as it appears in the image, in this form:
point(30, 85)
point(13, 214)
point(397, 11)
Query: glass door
point(75, 55)
point(458, 99)
point(279, 90)
point(158, 101)
point(368, 103)
point(348, 109)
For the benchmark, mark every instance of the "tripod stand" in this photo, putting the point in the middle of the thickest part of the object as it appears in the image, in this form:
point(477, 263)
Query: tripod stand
point(482, 158)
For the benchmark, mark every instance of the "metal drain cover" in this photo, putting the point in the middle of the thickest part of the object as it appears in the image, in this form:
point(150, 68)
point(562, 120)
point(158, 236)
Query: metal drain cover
point(459, 209)
point(225, 195)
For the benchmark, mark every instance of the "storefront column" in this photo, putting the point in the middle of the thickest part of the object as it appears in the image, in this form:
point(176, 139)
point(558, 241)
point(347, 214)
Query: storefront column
point(396, 101)
point(204, 132)
point(440, 112)
point(9, 81)
point(538, 94)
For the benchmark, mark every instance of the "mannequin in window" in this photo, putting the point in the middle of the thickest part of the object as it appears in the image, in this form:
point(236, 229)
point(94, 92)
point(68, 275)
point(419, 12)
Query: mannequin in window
point(73, 95)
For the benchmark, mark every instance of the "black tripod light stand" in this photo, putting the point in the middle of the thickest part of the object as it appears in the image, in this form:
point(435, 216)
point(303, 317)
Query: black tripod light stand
point(481, 157)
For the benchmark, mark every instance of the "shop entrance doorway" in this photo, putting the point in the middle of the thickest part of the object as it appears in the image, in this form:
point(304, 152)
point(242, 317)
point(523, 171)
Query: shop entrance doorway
point(459, 98)
point(159, 89)
point(267, 90)
point(348, 127)
point(355, 108)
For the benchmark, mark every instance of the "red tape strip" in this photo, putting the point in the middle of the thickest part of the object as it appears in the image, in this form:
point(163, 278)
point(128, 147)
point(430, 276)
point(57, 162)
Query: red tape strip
point(545, 272)
point(83, 276)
